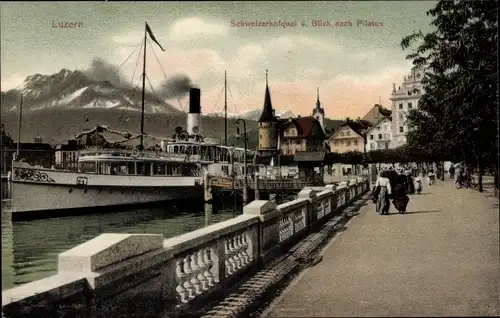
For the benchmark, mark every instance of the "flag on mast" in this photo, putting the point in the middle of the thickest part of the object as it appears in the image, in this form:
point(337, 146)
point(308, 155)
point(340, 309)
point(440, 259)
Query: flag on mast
point(148, 29)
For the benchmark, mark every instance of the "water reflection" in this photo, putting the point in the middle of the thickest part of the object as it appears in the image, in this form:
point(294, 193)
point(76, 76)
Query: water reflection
point(30, 249)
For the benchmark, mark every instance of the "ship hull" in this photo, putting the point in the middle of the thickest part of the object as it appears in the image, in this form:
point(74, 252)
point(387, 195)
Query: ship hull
point(38, 201)
point(43, 193)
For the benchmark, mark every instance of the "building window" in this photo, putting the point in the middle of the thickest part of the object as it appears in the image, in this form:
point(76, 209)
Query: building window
point(409, 93)
point(386, 145)
point(401, 106)
point(401, 129)
point(410, 105)
point(386, 136)
point(342, 142)
point(379, 136)
point(401, 117)
point(347, 133)
point(297, 142)
point(355, 142)
point(372, 146)
point(348, 143)
point(341, 134)
point(378, 128)
point(371, 137)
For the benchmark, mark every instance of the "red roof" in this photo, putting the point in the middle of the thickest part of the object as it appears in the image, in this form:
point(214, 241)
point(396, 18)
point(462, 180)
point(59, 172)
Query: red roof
point(305, 126)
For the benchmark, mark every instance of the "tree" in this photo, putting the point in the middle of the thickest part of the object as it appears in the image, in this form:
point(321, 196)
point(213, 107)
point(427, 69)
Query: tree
point(457, 115)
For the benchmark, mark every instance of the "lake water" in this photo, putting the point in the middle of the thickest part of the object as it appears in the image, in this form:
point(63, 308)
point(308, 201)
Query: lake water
point(30, 249)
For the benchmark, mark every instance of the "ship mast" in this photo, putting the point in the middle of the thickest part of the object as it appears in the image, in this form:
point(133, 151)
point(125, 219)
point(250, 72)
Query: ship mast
point(225, 108)
point(143, 87)
point(19, 127)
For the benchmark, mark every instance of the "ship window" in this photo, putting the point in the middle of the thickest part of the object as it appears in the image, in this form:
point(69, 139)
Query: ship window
point(88, 167)
point(131, 168)
point(161, 168)
point(155, 168)
point(122, 169)
point(147, 169)
point(140, 168)
point(169, 169)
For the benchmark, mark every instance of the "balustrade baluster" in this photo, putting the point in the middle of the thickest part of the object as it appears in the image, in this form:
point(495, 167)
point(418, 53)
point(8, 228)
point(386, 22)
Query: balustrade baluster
point(243, 250)
point(244, 246)
point(229, 257)
point(208, 271)
point(203, 268)
point(281, 229)
point(236, 252)
point(189, 272)
point(289, 225)
point(196, 271)
point(182, 292)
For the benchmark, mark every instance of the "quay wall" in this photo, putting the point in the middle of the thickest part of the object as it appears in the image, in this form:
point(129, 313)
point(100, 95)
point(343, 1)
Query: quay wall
point(142, 275)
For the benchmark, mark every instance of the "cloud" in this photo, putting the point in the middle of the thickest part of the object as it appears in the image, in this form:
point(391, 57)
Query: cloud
point(11, 81)
point(189, 29)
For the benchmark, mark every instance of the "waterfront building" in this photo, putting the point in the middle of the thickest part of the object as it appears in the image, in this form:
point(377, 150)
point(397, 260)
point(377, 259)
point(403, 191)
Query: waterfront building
point(379, 136)
point(376, 113)
point(287, 136)
point(348, 137)
point(66, 156)
point(301, 134)
point(36, 153)
point(404, 99)
point(6, 143)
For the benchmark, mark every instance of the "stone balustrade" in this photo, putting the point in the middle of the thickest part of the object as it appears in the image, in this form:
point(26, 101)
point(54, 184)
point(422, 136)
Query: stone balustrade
point(142, 275)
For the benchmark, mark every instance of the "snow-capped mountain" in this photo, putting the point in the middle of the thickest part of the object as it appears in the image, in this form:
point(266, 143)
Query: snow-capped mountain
point(75, 89)
point(253, 114)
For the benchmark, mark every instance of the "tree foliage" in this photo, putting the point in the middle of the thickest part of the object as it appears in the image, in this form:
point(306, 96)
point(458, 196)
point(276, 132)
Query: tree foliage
point(457, 115)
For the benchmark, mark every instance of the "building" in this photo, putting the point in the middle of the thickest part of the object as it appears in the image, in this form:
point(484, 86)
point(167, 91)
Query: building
point(319, 113)
point(349, 137)
point(379, 136)
point(34, 153)
point(6, 143)
point(287, 136)
point(66, 156)
point(301, 134)
point(268, 128)
point(376, 113)
point(403, 99)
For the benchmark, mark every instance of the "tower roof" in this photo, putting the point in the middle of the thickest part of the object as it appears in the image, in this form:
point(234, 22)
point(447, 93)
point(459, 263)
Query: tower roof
point(267, 113)
point(318, 103)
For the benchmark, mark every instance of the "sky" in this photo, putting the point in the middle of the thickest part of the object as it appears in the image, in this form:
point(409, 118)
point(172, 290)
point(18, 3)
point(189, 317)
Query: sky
point(353, 66)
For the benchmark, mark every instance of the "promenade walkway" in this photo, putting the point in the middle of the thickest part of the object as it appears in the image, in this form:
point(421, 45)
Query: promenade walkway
point(439, 259)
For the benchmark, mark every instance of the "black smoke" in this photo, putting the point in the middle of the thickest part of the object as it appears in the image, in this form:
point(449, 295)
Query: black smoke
point(102, 71)
point(175, 87)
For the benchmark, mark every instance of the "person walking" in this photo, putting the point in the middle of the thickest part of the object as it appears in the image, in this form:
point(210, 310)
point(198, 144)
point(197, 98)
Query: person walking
point(411, 184)
point(400, 197)
point(382, 193)
point(452, 172)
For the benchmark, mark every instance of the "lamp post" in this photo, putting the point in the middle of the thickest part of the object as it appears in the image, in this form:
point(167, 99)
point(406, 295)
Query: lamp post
point(245, 139)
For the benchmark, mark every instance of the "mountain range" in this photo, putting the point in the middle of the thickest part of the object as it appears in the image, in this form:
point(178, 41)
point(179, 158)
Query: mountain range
point(76, 89)
point(63, 104)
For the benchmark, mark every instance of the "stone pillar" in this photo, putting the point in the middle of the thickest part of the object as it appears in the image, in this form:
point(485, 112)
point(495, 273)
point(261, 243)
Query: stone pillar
point(207, 187)
point(257, 196)
point(312, 215)
point(245, 194)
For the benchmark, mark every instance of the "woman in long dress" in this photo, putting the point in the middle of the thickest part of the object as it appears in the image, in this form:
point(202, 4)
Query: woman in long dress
point(411, 184)
point(400, 196)
point(382, 193)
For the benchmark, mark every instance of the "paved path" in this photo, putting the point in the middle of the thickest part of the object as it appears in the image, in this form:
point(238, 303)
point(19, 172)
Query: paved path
point(439, 259)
